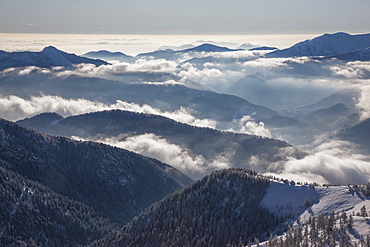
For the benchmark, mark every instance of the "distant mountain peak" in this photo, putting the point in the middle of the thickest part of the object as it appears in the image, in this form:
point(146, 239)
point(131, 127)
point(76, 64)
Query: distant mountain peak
point(50, 48)
point(337, 34)
point(56, 56)
point(263, 48)
point(206, 47)
point(326, 45)
point(108, 55)
point(50, 56)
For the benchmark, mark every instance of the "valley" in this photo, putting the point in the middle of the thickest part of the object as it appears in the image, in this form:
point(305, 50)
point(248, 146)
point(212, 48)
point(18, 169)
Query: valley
point(191, 145)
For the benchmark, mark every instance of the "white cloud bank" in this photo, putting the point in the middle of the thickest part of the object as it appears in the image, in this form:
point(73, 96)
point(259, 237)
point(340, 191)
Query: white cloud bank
point(331, 162)
point(364, 100)
point(14, 108)
point(247, 125)
point(195, 166)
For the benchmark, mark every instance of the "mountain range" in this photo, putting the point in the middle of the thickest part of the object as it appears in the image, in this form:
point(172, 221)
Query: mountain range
point(166, 97)
point(47, 58)
point(326, 45)
point(107, 55)
point(208, 143)
point(263, 48)
point(168, 54)
point(69, 179)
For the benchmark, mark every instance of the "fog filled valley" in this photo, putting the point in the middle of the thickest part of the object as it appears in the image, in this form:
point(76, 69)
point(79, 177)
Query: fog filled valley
point(203, 144)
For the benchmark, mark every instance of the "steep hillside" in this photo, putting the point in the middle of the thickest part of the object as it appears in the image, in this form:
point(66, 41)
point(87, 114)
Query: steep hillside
point(348, 97)
point(239, 150)
point(328, 215)
point(34, 215)
point(359, 134)
point(115, 182)
point(273, 94)
point(361, 55)
point(332, 118)
point(219, 210)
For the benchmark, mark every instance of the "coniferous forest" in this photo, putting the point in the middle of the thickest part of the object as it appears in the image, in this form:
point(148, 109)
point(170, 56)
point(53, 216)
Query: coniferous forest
point(222, 209)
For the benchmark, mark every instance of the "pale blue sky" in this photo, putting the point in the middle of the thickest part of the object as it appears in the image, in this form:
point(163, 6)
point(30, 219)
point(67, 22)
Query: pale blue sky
point(184, 17)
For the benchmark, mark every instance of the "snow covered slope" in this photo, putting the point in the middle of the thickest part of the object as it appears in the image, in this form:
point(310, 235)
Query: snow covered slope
point(284, 198)
point(304, 202)
point(326, 45)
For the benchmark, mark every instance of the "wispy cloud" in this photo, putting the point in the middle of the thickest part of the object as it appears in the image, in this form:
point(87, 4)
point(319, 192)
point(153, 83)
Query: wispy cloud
point(352, 70)
point(364, 102)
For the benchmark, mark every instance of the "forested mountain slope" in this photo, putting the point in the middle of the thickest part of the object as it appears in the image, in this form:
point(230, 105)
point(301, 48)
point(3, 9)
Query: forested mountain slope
point(117, 183)
point(219, 210)
point(34, 215)
point(238, 149)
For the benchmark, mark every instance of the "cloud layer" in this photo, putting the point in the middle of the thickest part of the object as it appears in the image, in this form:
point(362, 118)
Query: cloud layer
point(15, 108)
point(333, 162)
point(195, 166)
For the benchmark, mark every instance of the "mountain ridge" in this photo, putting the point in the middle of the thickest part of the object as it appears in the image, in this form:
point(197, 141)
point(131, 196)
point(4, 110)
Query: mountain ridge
point(202, 213)
point(88, 172)
point(207, 143)
point(325, 45)
point(47, 58)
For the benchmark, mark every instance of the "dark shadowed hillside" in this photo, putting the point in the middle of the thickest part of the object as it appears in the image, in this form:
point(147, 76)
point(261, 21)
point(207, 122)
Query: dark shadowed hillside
point(222, 209)
point(115, 182)
point(34, 215)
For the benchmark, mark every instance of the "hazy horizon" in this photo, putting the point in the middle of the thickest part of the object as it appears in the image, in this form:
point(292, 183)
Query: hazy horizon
point(132, 44)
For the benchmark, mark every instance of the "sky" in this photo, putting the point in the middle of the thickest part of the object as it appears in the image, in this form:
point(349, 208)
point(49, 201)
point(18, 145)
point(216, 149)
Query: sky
point(191, 17)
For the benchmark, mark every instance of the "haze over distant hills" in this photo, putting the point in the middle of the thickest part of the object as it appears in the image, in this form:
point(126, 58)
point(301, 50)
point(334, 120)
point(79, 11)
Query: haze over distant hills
point(167, 97)
point(107, 55)
point(359, 134)
point(166, 53)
